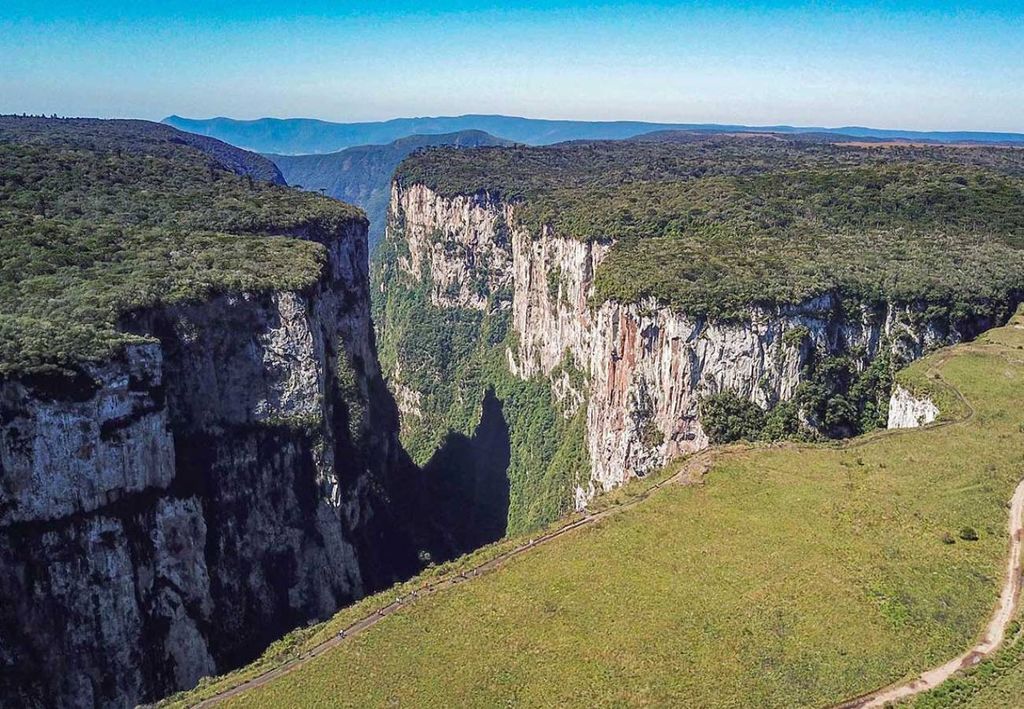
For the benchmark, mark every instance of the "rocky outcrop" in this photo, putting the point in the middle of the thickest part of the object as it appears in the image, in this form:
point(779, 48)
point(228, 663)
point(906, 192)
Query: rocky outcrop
point(639, 368)
point(167, 514)
point(909, 411)
point(461, 244)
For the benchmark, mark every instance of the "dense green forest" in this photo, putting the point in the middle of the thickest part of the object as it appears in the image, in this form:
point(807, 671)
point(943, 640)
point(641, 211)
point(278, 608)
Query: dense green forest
point(98, 218)
point(716, 224)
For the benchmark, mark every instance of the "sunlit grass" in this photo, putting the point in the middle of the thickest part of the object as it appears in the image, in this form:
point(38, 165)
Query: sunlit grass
point(792, 576)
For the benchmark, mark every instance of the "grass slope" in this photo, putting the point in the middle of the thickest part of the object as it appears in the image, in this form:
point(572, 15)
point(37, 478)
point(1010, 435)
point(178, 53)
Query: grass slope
point(995, 683)
point(98, 218)
point(794, 576)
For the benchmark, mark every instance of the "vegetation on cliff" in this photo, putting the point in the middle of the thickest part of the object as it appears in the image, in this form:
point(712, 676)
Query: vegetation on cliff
point(452, 357)
point(98, 218)
point(793, 576)
point(836, 396)
point(713, 226)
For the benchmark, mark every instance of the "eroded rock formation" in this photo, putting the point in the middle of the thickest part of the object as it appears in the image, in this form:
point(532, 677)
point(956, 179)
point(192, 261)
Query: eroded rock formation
point(640, 369)
point(167, 514)
point(909, 411)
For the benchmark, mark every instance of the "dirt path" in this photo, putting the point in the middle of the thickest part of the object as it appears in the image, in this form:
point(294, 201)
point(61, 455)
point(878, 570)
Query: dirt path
point(990, 640)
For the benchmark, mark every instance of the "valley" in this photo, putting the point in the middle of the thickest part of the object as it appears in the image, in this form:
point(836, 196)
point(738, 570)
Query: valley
point(362, 174)
point(793, 575)
point(615, 405)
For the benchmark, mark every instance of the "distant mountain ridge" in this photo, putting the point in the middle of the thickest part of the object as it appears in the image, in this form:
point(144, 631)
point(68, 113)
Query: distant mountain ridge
point(362, 175)
point(294, 136)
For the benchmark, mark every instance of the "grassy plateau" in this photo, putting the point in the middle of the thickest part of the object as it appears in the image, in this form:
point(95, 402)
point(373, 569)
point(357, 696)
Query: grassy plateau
point(794, 575)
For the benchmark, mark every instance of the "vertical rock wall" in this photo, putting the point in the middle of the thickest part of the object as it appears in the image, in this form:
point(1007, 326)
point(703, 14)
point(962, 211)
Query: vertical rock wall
point(640, 369)
point(167, 514)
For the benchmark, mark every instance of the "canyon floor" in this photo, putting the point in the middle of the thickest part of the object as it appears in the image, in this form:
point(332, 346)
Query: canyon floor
point(792, 575)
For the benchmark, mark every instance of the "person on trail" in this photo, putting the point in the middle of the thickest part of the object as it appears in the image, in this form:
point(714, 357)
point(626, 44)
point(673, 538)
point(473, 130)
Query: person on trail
point(341, 633)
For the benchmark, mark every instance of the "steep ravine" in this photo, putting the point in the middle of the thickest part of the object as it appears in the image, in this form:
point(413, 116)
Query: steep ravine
point(636, 371)
point(167, 514)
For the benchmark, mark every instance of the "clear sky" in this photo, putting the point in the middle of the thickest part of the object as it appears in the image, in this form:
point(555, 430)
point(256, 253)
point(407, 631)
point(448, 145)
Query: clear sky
point(916, 64)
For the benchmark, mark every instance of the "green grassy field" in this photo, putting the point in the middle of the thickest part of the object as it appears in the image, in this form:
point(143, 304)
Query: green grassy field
point(794, 576)
point(1001, 687)
point(996, 683)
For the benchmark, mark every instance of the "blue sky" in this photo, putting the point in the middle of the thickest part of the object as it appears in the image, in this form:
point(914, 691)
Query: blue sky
point(912, 64)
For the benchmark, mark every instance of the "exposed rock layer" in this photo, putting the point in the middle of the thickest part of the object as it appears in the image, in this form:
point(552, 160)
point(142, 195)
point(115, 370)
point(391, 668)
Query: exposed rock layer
point(644, 367)
point(167, 514)
point(909, 411)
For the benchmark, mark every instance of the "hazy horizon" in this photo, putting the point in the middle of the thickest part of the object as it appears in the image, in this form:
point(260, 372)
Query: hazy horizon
point(916, 65)
point(462, 114)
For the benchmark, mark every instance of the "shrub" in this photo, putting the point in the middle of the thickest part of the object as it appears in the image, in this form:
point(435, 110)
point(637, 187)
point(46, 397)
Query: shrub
point(781, 421)
point(728, 417)
point(969, 534)
point(795, 337)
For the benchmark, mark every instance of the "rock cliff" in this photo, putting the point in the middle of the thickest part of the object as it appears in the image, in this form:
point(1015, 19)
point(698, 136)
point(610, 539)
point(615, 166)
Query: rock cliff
point(166, 514)
point(909, 411)
point(640, 370)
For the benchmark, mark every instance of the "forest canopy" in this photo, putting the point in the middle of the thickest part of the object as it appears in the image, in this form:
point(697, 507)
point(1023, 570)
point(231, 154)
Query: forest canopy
point(98, 218)
point(714, 224)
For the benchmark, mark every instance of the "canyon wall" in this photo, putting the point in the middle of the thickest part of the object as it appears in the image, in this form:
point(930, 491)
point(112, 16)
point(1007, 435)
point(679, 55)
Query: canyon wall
point(167, 514)
point(639, 369)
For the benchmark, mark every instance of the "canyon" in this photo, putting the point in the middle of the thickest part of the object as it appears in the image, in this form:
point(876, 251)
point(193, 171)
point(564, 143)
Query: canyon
point(230, 473)
point(190, 501)
point(215, 428)
point(635, 372)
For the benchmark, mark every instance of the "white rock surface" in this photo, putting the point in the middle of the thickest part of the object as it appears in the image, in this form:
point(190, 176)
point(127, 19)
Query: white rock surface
point(909, 411)
point(62, 456)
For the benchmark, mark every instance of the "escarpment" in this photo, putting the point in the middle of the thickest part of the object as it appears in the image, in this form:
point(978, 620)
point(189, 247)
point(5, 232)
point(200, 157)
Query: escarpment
point(663, 315)
point(187, 476)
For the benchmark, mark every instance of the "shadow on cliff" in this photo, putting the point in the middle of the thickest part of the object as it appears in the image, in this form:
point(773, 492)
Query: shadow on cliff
point(453, 505)
point(467, 482)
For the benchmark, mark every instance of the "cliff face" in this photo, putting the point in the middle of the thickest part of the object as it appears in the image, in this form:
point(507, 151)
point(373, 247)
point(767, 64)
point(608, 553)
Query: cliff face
point(639, 369)
point(167, 514)
point(909, 411)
